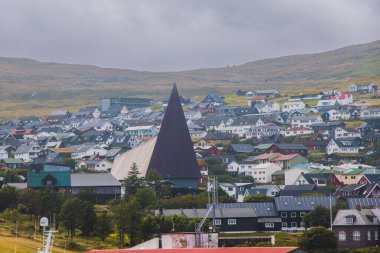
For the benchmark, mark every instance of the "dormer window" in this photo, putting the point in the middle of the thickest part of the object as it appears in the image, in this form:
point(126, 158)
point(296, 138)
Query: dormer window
point(350, 220)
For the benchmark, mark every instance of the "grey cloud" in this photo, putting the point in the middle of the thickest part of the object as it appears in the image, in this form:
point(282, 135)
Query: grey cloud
point(180, 34)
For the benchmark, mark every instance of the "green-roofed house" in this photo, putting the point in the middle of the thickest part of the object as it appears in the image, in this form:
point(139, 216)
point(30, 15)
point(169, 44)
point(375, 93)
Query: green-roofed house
point(13, 163)
point(263, 147)
point(278, 177)
point(41, 179)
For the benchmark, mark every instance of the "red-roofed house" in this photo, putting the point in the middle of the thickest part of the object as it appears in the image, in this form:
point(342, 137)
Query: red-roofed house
point(343, 99)
point(289, 161)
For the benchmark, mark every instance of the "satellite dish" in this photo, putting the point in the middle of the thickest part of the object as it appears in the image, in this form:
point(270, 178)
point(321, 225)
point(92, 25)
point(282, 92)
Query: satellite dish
point(44, 222)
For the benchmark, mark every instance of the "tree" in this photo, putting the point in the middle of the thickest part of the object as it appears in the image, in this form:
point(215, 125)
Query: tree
point(70, 215)
point(257, 198)
point(320, 216)
point(318, 239)
point(146, 198)
point(8, 198)
point(87, 218)
point(133, 181)
point(119, 215)
point(103, 226)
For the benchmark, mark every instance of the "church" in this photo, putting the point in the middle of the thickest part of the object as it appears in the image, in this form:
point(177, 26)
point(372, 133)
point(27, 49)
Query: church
point(171, 153)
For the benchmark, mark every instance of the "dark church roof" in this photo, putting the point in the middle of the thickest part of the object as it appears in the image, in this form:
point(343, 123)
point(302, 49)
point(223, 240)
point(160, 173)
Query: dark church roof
point(173, 154)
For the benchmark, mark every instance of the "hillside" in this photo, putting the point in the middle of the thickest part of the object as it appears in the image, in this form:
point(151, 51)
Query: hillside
point(34, 85)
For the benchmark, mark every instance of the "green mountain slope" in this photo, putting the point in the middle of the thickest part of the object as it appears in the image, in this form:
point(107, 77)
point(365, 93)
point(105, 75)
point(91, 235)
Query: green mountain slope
point(30, 81)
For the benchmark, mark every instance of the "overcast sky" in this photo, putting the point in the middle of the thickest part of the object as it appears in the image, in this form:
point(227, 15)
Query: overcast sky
point(181, 34)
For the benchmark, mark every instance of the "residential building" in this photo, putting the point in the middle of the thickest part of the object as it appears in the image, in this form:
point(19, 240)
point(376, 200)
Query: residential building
point(363, 88)
point(293, 106)
point(306, 121)
point(293, 209)
point(262, 173)
point(357, 228)
point(344, 145)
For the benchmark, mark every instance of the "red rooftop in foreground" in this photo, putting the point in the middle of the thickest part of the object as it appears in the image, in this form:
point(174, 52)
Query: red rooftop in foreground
point(205, 250)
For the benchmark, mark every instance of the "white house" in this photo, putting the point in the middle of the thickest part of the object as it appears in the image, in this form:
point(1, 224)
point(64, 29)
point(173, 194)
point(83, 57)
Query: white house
point(262, 173)
point(194, 115)
point(99, 125)
point(335, 115)
point(306, 121)
point(28, 151)
point(343, 99)
point(242, 167)
point(3, 154)
point(293, 131)
point(341, 132)
point(292, 175)
point(240, 126)
point(293, 106)
point(142, 131)
point(370, 113)
point(88, 150)
point(342, 146)
point(267, 107)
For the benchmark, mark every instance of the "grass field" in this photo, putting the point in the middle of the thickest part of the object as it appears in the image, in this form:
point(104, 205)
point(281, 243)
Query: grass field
point(8, 244)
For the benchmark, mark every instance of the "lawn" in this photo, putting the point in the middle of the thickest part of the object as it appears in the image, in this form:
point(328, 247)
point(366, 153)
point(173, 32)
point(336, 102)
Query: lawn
point(234, 100)
point(8, 244)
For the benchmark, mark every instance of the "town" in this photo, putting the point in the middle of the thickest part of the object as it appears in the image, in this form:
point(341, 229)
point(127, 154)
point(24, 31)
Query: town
point(277, 165)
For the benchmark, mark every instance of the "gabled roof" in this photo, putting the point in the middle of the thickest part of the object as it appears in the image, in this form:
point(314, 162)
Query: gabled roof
point(302, 203)
point(363, 203)
point(242, 148)
point(291, 146)
point(285, 157)
point(93, 180)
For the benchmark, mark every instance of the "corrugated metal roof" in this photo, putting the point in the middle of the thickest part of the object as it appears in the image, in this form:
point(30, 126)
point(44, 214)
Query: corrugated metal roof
point(219, 212)
point(93, 179)
point(288, 203)
point(363, 202)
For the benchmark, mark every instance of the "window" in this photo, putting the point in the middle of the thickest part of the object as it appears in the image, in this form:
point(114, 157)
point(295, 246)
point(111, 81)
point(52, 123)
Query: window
point(293, 214)
point(349, 220)
point(284, 224)
point(302, 214)
point(369, 235)
point(284, 215)
point(217, 222)
point(241, 188)
point(230, 189)
point(356, 235)
point(376, 235)
point(269, 225)
point(294, 224)
point(231, 221)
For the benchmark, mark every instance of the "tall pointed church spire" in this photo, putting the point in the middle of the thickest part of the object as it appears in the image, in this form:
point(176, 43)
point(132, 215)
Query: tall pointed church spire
point(173, 155)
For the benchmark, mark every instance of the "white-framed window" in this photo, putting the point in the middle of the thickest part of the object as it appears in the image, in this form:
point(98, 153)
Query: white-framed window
point(231, 222)
point(369, 235)
point(356, 235)
point(349, 220)
point(217, 222)
point(269, 225)
point(294, 224)
point(302, 214)
point(293, 214)
point(284, 224)
point(284, 215)
point(376, 235)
